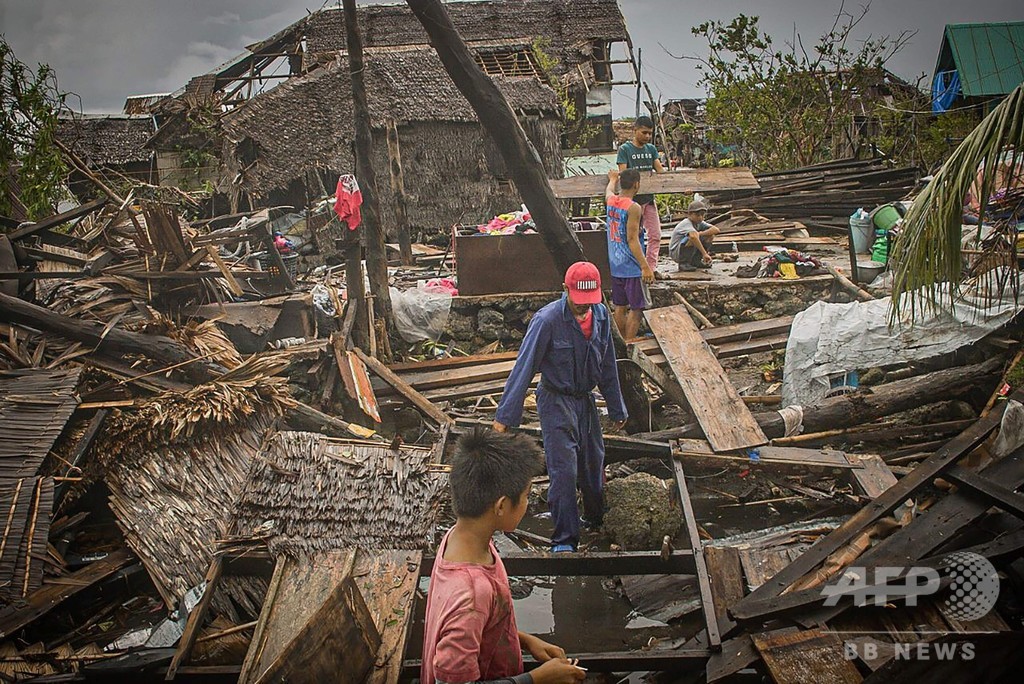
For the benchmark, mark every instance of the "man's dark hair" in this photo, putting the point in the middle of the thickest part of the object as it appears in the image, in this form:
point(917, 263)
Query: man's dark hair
point(643, 122)
point(489, 465)
point(629, 179)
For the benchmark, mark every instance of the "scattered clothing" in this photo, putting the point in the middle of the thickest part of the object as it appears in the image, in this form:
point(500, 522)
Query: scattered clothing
point(769, 266)
point(283, 244)
point(508, 224)
point(441, 286)
point(347, 200)
point(470, 631)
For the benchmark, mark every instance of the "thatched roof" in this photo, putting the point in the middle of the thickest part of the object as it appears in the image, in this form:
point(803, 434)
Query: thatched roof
point(313, 493)
point(175, 467)
point(108, 140)
point(569, 27)
point(306, 121)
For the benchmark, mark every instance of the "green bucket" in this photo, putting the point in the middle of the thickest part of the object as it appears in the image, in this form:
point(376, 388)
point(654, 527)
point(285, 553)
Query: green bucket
point(885, 217)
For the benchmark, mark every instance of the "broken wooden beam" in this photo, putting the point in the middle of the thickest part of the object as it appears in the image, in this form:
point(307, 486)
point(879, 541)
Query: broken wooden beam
point(405, 389)
point(765, 599)
point(49, 596)
point(725, 419)
point(699, 452)
point(848, 285)
point(57, 219)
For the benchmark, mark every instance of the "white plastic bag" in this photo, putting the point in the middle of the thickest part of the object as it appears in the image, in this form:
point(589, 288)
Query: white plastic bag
point(419, 314)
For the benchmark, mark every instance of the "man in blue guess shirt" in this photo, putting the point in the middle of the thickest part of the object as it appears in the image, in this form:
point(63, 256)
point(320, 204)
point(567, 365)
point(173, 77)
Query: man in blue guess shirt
point(641, 155)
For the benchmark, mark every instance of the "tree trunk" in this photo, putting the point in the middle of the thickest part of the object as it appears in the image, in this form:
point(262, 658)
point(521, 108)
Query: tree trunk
point(864, 406)
point(398, 189)
point(376, 251)
point(156, 347)
point(500, 122)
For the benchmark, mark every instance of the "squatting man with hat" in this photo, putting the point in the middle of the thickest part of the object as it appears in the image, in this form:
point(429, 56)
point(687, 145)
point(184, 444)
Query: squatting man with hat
point(569, 342)
point(692, 238)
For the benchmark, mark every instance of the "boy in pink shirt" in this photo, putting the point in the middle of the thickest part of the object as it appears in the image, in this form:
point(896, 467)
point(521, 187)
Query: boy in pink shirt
point(470, 630)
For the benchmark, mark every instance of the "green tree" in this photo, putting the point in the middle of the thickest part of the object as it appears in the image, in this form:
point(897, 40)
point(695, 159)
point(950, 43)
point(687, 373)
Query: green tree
point(30, 103)
point(778, 108)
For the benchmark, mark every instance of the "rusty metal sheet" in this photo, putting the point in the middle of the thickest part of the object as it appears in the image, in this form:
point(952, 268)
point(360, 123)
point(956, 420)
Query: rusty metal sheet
point(501, 264)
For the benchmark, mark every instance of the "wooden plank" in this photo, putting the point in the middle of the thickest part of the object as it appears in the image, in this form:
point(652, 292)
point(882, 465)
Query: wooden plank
point(905, 547)
point(874, 477)
point(693, 538)
point(726, 574)
point(872, 512)
point(49, 596)
point(805, 656)
point(229, 277)
point(725, 419)
point(387, 580)
point(690, 450)
point(686, 181)
point(761, 563)
point(57, 219)
point(665, 380)
point(453, 362)
point(736, 654)
point(405, 389)
point(364, 390)
point(315, 628)
point(457, 376)
point(661, 597)
point(998, 495)
point(196, 618)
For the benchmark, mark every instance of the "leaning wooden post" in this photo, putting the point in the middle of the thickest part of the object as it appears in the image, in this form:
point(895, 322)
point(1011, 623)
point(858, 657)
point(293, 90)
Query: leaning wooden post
point(500, 122)
point(398, 189)
point(376, 254)
point(525, 168)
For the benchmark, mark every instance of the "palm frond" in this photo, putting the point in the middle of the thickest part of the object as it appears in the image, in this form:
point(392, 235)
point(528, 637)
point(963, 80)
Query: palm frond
point(927, 261)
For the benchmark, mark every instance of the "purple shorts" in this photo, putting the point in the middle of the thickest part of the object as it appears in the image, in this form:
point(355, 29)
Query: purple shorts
point(628, 292)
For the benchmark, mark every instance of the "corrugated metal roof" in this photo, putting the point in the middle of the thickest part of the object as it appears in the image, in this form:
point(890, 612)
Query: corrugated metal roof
point(988, 57)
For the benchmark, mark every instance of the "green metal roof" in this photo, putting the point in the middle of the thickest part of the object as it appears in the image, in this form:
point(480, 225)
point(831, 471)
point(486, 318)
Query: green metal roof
point(988, 57)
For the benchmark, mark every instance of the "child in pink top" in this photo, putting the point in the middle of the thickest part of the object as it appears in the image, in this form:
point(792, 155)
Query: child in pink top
point(470, 631)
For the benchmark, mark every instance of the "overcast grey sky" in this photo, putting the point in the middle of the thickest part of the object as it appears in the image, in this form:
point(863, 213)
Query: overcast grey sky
point(104, 50)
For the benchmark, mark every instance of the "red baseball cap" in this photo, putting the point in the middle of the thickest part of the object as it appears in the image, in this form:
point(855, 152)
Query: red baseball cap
point(583, 281)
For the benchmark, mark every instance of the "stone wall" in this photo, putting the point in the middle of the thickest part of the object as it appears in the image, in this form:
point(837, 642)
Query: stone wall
point(478, 321)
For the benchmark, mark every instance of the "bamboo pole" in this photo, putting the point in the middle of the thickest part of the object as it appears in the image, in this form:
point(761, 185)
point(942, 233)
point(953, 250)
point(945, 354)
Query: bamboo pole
point(694, 311)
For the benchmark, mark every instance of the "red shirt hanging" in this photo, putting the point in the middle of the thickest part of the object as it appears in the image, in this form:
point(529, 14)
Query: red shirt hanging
point(347, 200)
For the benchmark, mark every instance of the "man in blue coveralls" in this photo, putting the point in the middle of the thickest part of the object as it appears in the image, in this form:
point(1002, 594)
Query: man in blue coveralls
point(569, 342)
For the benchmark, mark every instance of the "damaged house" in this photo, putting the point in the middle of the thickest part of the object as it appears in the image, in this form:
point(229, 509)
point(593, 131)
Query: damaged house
point(273, 127)
point(113, 143)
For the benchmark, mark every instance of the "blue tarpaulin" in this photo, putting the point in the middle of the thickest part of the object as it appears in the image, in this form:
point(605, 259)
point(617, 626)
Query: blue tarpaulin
point(945, 89)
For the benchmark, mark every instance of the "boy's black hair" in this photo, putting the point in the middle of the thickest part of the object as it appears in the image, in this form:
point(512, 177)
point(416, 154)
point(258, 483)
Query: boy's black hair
point(489, 465)
point(629, 178)
point(643, 122)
